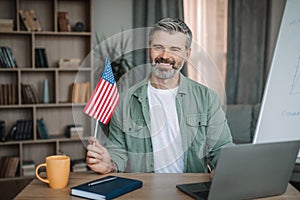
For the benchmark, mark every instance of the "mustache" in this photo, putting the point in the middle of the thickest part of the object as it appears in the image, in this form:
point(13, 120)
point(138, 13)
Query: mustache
point(163, 60)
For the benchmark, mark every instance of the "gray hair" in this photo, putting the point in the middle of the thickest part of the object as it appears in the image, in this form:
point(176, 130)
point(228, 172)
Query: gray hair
point(172, 25)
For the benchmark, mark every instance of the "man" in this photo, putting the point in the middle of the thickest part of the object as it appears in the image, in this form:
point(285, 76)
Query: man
point(166, 123)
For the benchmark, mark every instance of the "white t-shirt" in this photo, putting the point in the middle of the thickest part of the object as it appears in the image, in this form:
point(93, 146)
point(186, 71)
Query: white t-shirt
point(165, 131)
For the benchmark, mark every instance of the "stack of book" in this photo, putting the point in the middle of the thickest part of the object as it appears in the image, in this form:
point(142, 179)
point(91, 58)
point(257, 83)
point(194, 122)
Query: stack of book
point(29, 95)
point(21, 130)
point(9, 166)
point(79, 165)
point(28, 168)
point(30, 20)
point(41, 58)
point(80, 92)
point(74, 131)
point(7, 59)
point(8, 94)
point(6, 25)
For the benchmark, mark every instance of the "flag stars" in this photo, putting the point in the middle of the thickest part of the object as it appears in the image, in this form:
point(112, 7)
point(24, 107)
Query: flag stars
point(108, 73)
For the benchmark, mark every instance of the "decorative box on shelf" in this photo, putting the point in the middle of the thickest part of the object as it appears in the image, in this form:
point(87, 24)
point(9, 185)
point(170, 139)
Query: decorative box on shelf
point(69, 63)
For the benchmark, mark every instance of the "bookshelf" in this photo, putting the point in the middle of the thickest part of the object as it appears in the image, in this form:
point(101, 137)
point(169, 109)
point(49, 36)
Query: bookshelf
point(59, 111)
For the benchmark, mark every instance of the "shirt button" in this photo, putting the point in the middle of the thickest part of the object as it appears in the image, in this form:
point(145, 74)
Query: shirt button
point(129, 129)
point(199, 123)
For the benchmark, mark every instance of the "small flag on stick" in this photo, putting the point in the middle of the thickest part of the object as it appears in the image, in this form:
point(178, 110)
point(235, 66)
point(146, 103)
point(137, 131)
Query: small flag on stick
point(105, 97)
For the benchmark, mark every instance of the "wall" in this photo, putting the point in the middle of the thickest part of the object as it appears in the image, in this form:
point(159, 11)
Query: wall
point(276, 12)
point(111, 17)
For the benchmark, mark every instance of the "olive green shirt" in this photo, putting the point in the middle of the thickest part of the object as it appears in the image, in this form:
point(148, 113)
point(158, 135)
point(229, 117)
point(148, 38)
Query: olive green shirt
point(203, 126)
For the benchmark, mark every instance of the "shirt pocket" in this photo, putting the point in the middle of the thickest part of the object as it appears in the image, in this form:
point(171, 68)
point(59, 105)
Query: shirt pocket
point(135, 129)
point(196, 129)
point(196, 120)
point(137, 138)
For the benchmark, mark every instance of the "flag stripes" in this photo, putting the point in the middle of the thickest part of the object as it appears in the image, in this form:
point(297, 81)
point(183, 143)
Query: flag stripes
point(105, 97)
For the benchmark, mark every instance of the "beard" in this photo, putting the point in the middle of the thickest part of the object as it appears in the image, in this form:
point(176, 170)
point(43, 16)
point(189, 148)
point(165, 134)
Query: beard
point(164, 73)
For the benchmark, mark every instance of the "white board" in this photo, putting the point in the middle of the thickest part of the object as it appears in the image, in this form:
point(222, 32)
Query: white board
point(279, 118)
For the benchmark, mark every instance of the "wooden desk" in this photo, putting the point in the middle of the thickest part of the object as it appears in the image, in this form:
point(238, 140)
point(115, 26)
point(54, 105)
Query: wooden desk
point(155, 186)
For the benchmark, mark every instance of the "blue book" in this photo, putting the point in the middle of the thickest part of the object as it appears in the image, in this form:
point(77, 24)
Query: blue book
point(42, 129)
point(108, 187)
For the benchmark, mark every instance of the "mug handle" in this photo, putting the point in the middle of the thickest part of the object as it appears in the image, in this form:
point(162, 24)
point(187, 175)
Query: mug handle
point(37, 173)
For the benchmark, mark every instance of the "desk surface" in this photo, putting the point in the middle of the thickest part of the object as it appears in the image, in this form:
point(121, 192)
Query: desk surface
point(155, 186)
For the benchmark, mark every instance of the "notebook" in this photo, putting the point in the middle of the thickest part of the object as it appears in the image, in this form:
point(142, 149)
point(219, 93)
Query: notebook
point(248, 171)
point(108, 187)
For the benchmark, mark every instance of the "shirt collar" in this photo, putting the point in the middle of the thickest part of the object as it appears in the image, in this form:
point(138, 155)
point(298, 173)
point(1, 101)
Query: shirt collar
point(141, 91)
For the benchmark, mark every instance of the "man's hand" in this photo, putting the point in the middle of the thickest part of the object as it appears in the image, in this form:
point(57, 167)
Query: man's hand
point(98, 158)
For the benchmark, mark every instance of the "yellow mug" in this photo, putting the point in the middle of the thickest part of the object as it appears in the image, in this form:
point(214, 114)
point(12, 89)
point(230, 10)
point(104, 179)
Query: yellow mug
point(57, 171)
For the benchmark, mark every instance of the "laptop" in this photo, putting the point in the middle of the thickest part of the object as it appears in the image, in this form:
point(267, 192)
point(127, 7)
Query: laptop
point(248, 171)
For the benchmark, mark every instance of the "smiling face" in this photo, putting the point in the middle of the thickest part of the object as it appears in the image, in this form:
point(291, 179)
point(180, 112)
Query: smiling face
point(168, 53)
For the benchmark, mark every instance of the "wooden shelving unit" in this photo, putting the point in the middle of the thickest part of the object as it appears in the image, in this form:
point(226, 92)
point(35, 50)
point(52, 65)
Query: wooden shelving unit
point(59, 112)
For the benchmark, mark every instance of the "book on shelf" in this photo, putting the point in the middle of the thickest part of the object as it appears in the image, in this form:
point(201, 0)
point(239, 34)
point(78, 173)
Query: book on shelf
point(11, 57)
point(12, 166)
point(10, 135)
point(87, 91)
point(9, 166)
point(80, 92)
point(21, 130)
point(74, 92)
point(2, 131)
point(25, 19)
point(3, 166)
point(29, 95)
point(41, 59)
point(36, 26)
point(42, 129)
point(63, 22)
point(108, 187)
point(8, 94)
point(7, 59)
point(17, 135)
point(5, 94)
point(3, 63)
point(30, 20)
point(28, 130)
point(6, 25)
point(12, 94)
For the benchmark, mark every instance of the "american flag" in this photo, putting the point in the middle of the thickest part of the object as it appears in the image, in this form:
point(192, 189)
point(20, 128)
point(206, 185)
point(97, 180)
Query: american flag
point(105, 97)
